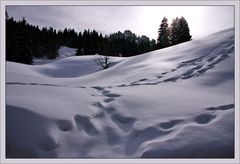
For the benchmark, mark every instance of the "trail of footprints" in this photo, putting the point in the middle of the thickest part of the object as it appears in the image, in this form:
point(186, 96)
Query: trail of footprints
point(163, 129)
point(85, 123)
point(137, 137)
point(134, 137)
point(123, 122)
point(195, 67)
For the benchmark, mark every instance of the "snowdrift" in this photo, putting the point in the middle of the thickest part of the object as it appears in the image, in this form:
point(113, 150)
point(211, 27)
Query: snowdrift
point(176, 102)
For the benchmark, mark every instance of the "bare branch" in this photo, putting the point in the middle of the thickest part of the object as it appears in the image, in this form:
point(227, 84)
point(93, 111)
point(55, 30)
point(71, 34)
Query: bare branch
point(103, 61)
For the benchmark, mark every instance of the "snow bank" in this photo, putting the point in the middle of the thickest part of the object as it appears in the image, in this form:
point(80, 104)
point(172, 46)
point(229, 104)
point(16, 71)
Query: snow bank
point(177, 102)
point(64, 52)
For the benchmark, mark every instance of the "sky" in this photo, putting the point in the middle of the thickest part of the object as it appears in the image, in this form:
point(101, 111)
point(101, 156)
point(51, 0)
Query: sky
point(142, 20)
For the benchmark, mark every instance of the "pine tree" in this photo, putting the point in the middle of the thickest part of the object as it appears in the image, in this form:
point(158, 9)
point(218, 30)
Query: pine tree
point(174, 32)
point(179, 31)
point(163, 34)
point(19, 45)
point(183, 33)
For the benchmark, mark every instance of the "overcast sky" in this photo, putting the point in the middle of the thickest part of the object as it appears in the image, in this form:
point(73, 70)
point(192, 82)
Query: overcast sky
point(142, 20)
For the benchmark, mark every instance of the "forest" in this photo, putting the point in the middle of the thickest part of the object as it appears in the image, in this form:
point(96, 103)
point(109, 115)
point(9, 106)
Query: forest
point(25, 41)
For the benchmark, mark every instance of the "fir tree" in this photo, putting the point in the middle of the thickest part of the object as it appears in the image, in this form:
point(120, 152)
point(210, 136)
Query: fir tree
point(19, 44)
point(163, 34)
point(179, 31)
point(174, 32)
point(183, 33)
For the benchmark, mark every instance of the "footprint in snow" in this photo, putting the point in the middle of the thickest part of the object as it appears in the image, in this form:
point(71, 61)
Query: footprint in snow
point(48, 143)
point(64, 125)
point(170, 124)
point(123, 122)
point(223, 107)
point(98, 88)
point(108, 109)
point(111, 95)
point(140, 137)
point(204, 118)
point(108, 100)
point(112, 136)
point(85, 124)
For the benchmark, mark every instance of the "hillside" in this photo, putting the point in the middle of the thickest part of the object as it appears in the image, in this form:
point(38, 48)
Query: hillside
point(168, 103)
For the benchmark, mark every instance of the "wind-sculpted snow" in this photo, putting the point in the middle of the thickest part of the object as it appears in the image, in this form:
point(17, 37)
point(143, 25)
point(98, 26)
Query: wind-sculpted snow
point(177, 102)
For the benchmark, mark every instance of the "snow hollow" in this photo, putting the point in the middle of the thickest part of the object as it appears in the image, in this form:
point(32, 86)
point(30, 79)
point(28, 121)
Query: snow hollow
point(176, 102)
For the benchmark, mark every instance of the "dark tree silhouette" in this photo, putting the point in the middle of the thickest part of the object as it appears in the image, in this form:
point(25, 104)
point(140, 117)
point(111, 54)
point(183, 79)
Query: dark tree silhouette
point(184, 32)
point(25, 41)
point(103, 61)
point(174, 32)
point(18, 42)
point(163, 34)
point(179, 31)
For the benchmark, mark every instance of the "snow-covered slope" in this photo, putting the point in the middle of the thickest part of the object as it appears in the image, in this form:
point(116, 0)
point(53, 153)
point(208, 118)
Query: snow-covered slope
point(66, 52)
point(174, 102)
point(63, 52)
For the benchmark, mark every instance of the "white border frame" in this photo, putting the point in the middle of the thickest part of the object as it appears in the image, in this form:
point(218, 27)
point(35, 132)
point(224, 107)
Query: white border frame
point(235, 3)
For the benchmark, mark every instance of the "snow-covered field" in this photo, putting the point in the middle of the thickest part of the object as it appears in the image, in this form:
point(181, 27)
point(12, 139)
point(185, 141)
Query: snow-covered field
point(174, 102)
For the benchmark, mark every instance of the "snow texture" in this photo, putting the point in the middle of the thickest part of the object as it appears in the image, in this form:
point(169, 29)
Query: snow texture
point(176, 102)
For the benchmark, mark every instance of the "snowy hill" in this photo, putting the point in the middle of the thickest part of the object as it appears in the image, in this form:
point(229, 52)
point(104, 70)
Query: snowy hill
point(174, 102)
point(63, 52)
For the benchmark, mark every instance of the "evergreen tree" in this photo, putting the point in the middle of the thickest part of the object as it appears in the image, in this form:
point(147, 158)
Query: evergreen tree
point(179, 31)
point(174, 32)
point(19, 44)
point(163, 34)
point(183, 33)
point(25, 41)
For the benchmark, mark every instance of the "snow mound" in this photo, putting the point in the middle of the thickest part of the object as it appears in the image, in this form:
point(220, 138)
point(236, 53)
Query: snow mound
point(64, 52)
point(176, 102)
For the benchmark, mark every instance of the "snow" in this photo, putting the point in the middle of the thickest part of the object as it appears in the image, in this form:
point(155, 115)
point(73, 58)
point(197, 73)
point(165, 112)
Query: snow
point(63, 52)
point(66, 52)
point(176, 102)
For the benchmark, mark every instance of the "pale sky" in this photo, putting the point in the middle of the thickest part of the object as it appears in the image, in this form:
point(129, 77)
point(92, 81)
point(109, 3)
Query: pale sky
point(142, 20)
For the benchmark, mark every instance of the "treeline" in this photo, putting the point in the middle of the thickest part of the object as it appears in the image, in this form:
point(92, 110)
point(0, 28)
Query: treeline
point(117, 44)
point(25, 41)
point(177, 32)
